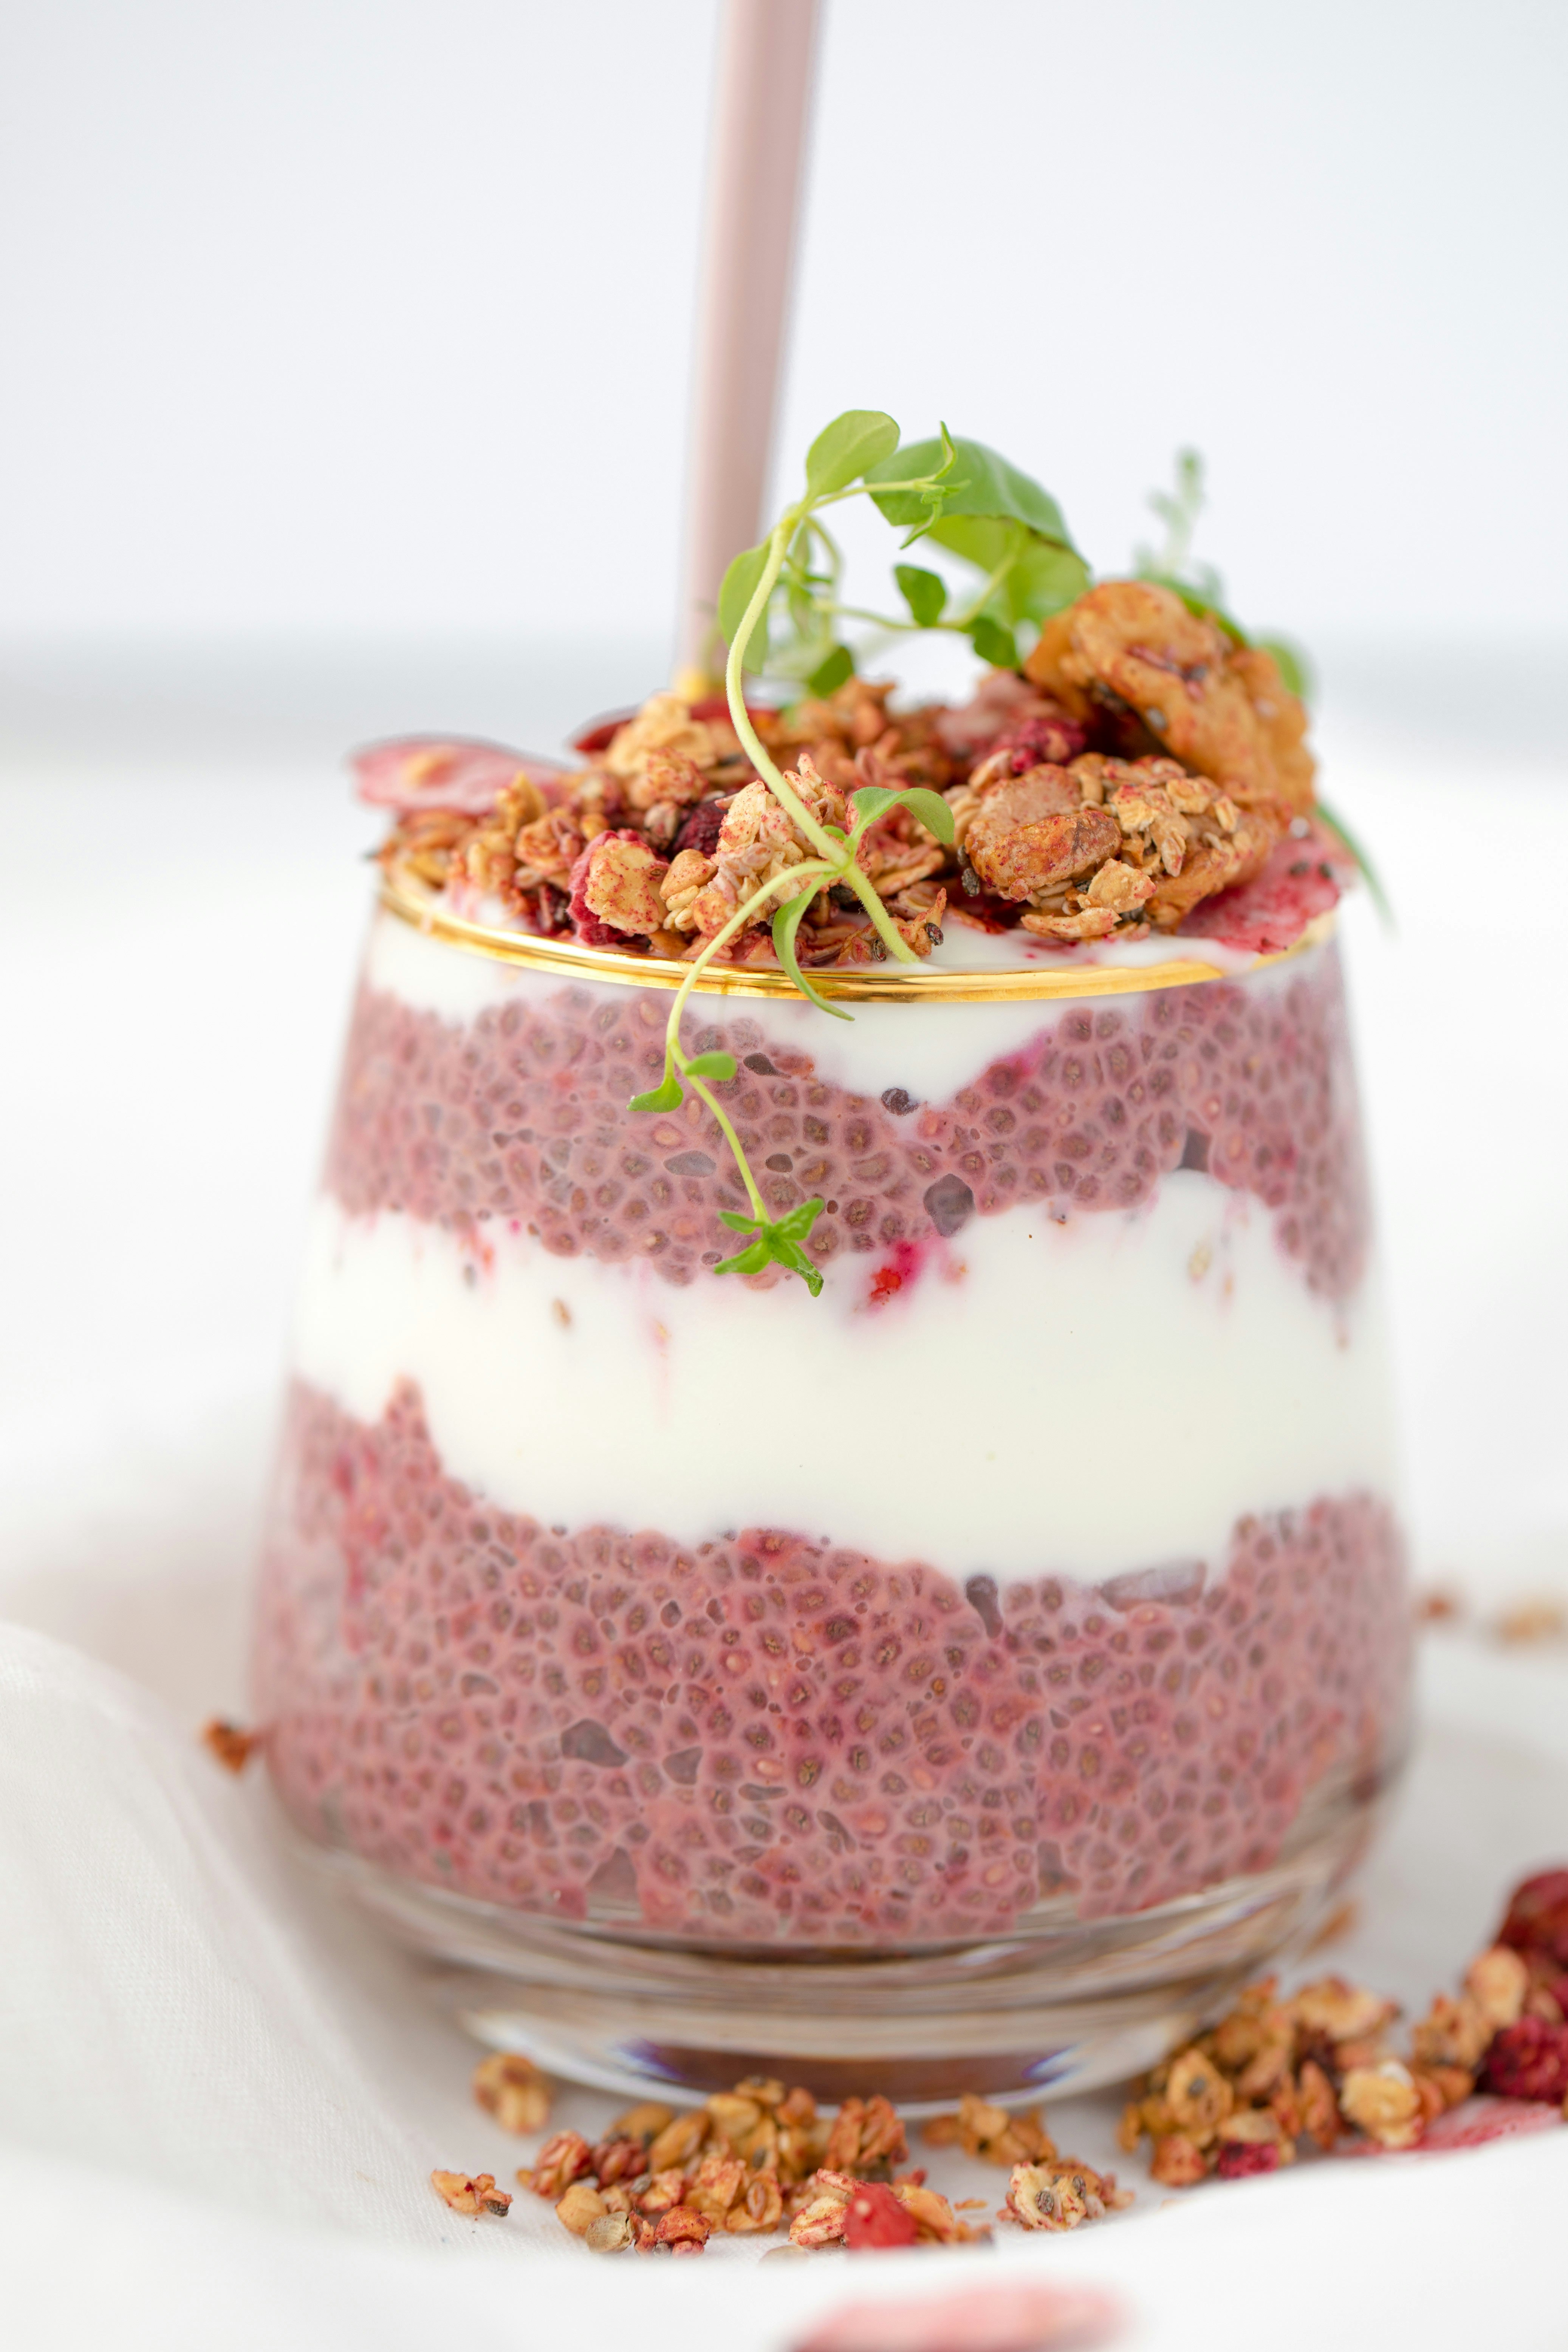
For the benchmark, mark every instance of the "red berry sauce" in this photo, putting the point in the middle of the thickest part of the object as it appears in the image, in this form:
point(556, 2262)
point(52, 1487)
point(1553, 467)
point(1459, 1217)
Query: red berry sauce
point(766, 1738)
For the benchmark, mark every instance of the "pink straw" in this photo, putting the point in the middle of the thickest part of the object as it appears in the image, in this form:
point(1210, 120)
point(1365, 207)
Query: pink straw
point(759, 139)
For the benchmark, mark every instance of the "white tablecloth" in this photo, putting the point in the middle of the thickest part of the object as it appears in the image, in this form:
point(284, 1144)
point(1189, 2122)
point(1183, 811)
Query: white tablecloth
point(220, 2094)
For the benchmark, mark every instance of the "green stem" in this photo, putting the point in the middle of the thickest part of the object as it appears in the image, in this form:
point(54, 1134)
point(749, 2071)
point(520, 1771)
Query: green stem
point(701, 1087)
point(783, 791)
point(675, 1056)
point(965, 619)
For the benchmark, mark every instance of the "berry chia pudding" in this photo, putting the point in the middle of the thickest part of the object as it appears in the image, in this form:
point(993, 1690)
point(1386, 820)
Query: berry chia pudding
point(861, 1487)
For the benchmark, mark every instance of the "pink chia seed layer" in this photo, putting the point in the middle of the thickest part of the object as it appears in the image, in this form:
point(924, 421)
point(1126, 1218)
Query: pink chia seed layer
point(764, 1739)
point(523, 1116)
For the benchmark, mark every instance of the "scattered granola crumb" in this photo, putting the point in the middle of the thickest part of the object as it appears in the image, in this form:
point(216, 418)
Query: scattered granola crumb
point(993, 2134)
point(1532, 1620)
point(683, 2229)
point(233, 1747)
point(610, 2235)
point(1316, 2066)
point(580, 2208)
point(560, 2162)
point(1383, 2101)
point(510, 2087)
point(1059, 2196)
point(471, 2193)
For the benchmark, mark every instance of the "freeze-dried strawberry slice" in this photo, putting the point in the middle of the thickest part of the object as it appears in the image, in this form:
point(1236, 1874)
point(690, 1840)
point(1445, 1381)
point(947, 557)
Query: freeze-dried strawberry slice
point(441, 772)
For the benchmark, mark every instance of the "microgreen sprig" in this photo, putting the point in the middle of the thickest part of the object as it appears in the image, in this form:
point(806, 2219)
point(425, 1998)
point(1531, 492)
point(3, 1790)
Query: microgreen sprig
point(857, 448)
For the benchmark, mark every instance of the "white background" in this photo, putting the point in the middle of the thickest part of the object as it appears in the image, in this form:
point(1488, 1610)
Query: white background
point(375, 315)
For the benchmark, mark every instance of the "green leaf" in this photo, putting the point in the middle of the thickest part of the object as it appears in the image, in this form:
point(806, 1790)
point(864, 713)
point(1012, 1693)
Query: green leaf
point(746, 1261)
point(847, 448)
point(720, 1066)
point(994, 644)
point(873, 801)
point(782, 1244)
point(668, 1096)
point(1041, 577)
point(740, 585)
point(984, 485)
point(786, 923)
point(1292, 663)
point(831, 673)
point(925, 594)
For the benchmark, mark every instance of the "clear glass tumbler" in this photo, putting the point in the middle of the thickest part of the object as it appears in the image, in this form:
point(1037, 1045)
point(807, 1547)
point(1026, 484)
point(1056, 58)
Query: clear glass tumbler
point(963, 1679)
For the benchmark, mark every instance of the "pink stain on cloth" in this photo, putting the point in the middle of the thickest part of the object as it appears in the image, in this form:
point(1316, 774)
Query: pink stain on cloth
point(1015, 2317)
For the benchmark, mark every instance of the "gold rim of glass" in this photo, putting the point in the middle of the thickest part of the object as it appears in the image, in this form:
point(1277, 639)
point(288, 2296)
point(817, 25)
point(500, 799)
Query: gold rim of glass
point(402, 894)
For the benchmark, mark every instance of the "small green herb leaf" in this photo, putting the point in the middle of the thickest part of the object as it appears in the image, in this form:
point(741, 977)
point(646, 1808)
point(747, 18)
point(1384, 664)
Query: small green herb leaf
point(830, 674)
point(720, 1067)
point(873, 801)
point(668, 1096)
point(847, 448)
point(786, 923)
point(782, 1244)
point(925, 594)
point(740, 585)
point(985, 484)
point(994, 644)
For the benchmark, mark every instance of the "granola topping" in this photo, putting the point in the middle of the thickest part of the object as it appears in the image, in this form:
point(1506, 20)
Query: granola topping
point(1144, 765)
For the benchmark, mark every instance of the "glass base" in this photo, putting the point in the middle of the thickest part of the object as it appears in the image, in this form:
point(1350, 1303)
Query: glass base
point(1064, 2004)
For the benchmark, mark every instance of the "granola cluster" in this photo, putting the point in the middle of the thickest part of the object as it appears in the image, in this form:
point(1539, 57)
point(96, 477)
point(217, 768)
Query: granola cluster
point(750, 2162)
point(1318, 2067)
point(1045, 2190)
point(1143, 764)
point(762, 2160)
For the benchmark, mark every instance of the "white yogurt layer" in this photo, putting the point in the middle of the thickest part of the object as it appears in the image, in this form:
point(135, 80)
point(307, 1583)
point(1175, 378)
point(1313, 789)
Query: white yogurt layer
point(1106, 1394)
point(930, 1050)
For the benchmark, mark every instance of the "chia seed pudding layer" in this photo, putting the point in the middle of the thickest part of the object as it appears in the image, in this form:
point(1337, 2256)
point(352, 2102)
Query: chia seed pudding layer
point(549, 1618)
point(766, 1739)
point(519, 1115)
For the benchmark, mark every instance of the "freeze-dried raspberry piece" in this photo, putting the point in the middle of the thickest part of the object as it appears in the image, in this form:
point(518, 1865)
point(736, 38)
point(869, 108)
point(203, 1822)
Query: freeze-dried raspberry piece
point(875, 2217)
point(702, 827)
point(1529, 2061)
point(1537, 1917)
point(1237, 2157)
point(1050, 737)
point(1264, 917)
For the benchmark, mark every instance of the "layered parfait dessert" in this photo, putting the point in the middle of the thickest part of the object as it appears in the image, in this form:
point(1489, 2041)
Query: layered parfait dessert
point(758, 1481)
